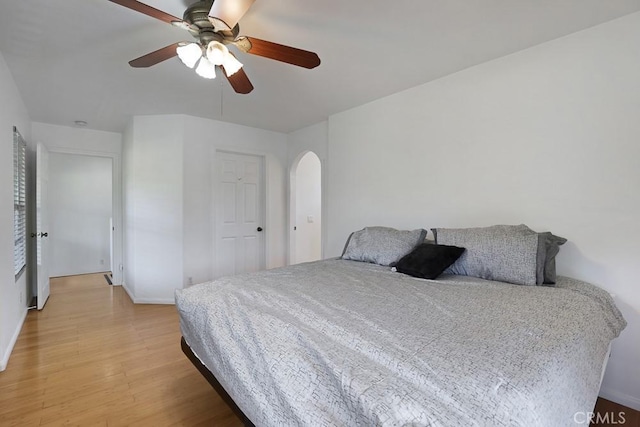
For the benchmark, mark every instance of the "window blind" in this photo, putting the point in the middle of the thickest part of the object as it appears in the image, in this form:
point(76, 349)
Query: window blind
point(19, 202)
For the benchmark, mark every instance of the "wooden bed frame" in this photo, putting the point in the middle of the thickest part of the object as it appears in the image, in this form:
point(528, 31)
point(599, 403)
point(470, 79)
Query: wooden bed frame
point(214, 383)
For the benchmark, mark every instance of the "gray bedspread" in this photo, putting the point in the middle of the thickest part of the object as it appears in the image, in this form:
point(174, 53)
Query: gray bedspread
point(345, 343)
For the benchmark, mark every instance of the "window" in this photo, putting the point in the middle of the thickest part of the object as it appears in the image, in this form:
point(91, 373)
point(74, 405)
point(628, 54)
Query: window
point(19, 203)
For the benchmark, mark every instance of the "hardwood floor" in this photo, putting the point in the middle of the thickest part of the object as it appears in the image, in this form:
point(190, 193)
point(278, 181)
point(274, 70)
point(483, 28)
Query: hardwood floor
point(93, 358)
point(609, 413)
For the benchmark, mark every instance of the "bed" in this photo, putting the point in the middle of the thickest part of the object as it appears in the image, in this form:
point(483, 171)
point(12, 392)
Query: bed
point(344, 342)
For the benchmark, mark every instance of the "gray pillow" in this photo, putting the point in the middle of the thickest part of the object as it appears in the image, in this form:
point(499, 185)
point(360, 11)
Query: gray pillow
point(506, 253)
point(548, 247)
point(382, 245)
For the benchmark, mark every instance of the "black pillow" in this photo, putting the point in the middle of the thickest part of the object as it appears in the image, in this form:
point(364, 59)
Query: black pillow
point(428, 261)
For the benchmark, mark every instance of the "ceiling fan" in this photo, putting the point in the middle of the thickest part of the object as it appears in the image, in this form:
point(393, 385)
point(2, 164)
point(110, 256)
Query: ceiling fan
point(214, 25)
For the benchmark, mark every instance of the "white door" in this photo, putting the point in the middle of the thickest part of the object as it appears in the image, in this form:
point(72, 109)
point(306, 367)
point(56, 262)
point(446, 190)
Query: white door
point(239, 223)
point(42, 235)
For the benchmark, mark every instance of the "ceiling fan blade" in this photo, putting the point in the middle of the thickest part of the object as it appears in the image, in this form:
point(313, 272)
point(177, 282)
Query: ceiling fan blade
point(239, 81)
point(279, 52)
point(155, 57)
point(147, 10)
point(225, 14)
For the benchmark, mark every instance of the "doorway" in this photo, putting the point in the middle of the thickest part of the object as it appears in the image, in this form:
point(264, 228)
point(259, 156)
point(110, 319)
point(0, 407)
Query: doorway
point(80, 214)
point(306, 209)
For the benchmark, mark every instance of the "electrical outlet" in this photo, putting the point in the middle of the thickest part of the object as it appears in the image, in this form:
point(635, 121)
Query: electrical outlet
point(121, 267)
point(21, 298)
point(101, 262)
point(190, 280)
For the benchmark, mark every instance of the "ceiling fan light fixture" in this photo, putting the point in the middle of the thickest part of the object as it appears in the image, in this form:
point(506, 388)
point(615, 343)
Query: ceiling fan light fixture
point(224, 15)
point(206, 69)
point(205, 56)
point(231, 64)
point(189, 54)
point(217, 52)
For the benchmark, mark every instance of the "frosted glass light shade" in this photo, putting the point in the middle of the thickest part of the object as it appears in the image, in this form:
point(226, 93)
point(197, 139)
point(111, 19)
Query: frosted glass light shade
point(206, 69)
point(217, 52)
point(231, 64)
point(189, 54)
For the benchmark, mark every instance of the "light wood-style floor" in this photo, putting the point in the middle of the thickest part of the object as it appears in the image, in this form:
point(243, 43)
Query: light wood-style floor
point(93, 358)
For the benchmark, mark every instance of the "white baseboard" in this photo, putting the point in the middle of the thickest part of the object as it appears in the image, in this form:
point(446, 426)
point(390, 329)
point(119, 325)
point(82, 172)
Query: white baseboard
point(126, 289)
point(135, 300)
point(167, 301)
point(5, 357)
point(621, 398)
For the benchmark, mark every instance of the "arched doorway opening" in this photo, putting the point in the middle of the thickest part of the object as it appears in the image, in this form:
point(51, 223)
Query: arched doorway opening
point(306, 209)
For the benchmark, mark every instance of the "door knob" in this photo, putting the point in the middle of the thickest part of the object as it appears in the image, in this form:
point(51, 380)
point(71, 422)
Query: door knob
point(259, 228)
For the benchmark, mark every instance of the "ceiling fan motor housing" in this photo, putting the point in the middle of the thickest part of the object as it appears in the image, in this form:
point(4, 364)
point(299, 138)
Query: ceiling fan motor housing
point(198, 14)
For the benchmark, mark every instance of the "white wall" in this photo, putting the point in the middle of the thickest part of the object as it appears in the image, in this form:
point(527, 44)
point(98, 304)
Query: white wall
point(308, 207)
point(153, 183)
point(13, 304)
point(168, 183)
point(198, 214)
point(128, 202)
point(547, 137)
point(80, 198)
point(312, 138)
point(66, 138)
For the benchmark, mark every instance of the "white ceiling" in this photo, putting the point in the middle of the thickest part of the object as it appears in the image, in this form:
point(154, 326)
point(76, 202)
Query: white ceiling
point(70, 58)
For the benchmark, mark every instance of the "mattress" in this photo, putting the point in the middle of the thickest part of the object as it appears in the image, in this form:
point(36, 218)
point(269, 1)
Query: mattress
point(348, 343)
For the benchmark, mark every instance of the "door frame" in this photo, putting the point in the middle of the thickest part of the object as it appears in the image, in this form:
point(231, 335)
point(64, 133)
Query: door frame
point(116, 204)
point(265, 159)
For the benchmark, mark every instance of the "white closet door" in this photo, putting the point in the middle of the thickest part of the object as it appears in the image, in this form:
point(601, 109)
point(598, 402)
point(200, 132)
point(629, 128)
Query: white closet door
point(239, 223)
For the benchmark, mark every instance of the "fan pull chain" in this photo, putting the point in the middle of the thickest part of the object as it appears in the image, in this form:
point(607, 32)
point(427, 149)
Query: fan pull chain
point(221, 99)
